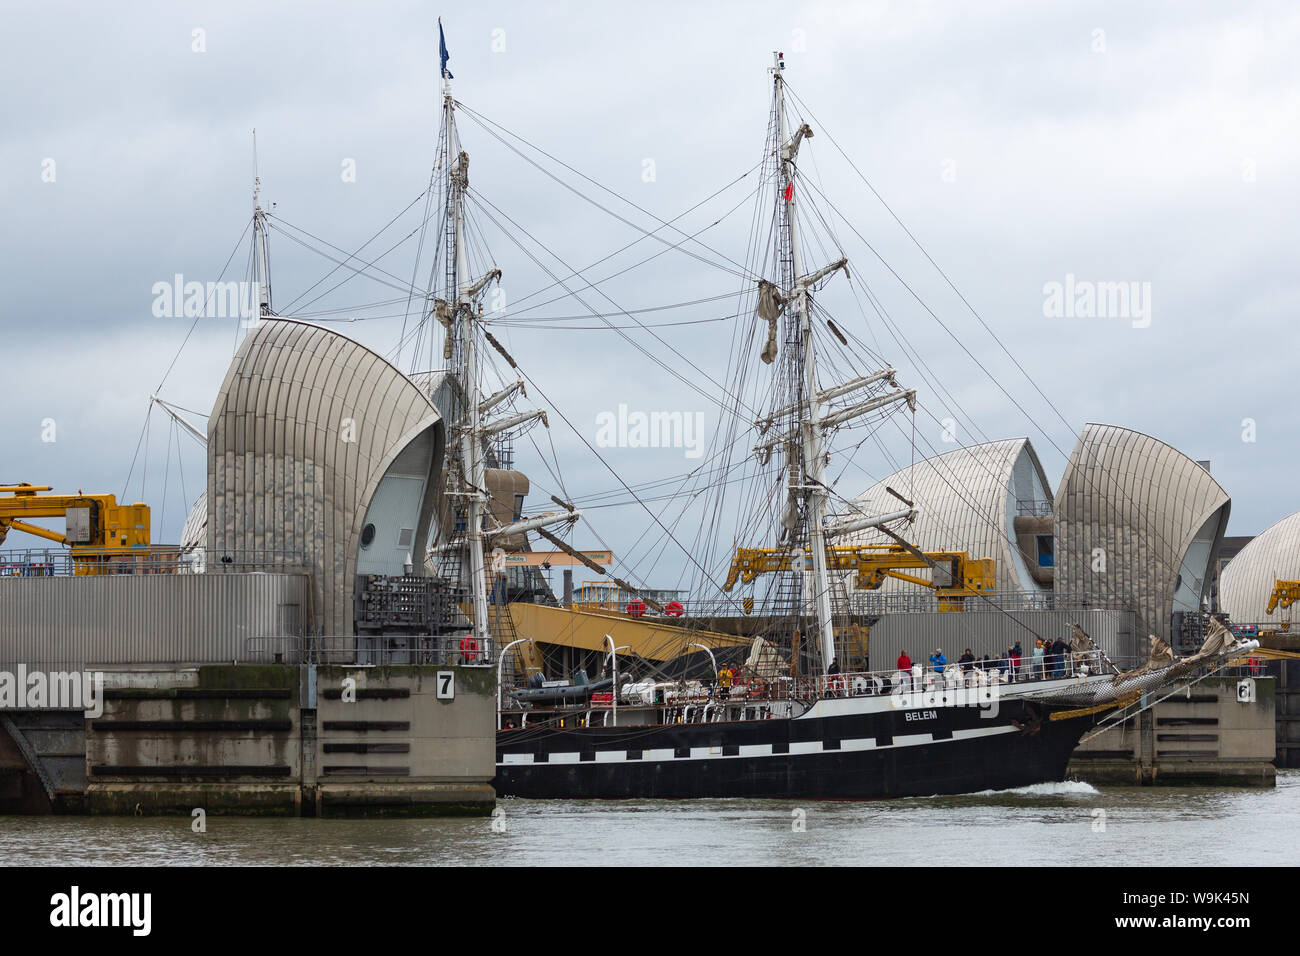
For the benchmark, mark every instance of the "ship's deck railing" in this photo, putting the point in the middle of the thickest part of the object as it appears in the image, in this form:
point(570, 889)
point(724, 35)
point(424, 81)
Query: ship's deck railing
point(918, 679)
point(381, 651)
point(153, 559)
point(954, 674)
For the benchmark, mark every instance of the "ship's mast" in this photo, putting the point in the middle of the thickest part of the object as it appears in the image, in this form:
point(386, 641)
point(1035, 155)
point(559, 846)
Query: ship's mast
point(261, 256)
point(462, 348)
point(805, 416)
point(813, 470)
point(473, 467)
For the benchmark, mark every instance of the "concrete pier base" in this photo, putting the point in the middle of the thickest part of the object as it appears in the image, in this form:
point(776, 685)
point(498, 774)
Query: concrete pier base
point(182, 799)
point(1205, 736)
point(406, 800)
point(262, 740)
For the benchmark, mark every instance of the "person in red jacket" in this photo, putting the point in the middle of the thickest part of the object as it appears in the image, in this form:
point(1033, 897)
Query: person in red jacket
point(905, 665)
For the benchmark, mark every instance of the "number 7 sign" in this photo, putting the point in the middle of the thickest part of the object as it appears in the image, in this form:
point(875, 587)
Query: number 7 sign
point(446, 685)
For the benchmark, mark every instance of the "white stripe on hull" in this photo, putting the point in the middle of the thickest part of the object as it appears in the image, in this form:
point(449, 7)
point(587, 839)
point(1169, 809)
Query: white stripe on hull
point(803, 748)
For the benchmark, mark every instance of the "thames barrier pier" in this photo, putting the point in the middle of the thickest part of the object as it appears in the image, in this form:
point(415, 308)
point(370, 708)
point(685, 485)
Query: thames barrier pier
point(294, 654)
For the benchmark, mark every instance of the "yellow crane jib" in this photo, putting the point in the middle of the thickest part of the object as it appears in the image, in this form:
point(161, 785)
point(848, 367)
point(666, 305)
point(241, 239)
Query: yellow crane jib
point(97, 530)
point(954, 574)
point(1285, 593)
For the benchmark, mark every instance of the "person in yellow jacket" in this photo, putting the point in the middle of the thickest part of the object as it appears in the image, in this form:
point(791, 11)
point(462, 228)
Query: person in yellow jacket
point(725, 677)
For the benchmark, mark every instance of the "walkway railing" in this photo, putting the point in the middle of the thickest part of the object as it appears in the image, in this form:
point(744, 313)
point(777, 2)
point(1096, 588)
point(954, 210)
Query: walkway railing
point(420, 650)
point(155, 559)
point(859, 604)
point(873, 603)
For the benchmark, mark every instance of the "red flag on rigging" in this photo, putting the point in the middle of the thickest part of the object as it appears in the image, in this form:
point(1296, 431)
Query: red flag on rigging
point(789, 192)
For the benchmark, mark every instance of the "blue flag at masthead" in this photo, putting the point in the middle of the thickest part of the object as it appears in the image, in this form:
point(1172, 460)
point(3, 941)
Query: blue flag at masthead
point(442, 50)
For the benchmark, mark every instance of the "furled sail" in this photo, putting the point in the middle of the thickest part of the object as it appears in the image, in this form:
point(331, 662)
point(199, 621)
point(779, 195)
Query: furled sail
point(770, 306)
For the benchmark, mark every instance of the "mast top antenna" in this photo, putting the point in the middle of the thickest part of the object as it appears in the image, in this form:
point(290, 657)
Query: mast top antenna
point(257, 179)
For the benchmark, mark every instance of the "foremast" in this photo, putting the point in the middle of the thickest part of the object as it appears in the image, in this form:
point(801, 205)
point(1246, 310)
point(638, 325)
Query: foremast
point(461, 329)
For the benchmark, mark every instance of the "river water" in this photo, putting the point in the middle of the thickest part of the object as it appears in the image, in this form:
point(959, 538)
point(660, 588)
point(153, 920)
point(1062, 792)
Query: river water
point(1069, 824)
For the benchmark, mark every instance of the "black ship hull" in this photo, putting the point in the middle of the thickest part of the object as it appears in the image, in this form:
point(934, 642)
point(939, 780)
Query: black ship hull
point(873, 753)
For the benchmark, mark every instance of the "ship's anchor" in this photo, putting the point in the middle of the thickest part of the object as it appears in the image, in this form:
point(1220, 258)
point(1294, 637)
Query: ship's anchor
point(1032, 723)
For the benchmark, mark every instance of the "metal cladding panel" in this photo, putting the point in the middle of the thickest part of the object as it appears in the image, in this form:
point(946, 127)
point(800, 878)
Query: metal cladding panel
point(991, 632)
point(195, 532)
point(304, 426)
point(1127, 513)
point(144, 619)
point(967, 499)
point(1247, 581)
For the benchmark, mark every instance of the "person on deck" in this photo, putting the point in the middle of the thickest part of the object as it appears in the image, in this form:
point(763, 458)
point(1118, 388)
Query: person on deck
point(938, 661)
point(904, 671)
point(1037, 662)
point(1056, 657)
point(967, 660)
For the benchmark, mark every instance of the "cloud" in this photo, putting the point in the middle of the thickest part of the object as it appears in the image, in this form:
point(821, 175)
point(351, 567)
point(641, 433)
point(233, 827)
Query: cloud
point(1012, 150)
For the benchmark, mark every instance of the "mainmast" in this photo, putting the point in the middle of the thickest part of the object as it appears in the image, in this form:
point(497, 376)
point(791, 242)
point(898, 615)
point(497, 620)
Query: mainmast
point(813, 485)
point(809, 415)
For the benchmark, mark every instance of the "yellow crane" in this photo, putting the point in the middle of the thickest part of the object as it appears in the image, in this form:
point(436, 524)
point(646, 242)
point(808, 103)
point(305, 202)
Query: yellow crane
point(955, 574)
point(1285, 593)
point(97, 530)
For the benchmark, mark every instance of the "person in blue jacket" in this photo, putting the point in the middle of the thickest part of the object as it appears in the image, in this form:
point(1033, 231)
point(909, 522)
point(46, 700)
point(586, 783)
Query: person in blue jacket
point(937, 660)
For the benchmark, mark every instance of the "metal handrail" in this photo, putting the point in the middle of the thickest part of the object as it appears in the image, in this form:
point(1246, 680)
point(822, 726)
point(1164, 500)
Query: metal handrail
point(868, 604)
point(448, 650)
point(154, 559)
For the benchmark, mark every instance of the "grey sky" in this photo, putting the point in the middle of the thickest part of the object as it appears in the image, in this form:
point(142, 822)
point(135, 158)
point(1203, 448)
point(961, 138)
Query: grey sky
point(1011, 147)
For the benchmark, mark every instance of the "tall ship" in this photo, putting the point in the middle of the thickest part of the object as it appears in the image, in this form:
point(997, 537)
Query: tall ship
point(795, 708)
